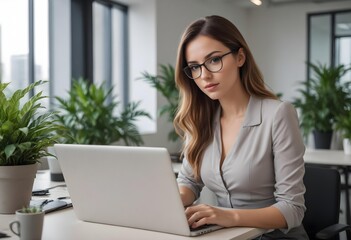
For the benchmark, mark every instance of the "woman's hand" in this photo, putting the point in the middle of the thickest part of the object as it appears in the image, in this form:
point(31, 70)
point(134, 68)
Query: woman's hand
point(267, 218)
point(199, 215)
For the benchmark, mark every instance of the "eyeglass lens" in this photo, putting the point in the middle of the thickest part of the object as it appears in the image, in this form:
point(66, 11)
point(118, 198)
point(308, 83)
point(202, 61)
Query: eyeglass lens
point(213, 64)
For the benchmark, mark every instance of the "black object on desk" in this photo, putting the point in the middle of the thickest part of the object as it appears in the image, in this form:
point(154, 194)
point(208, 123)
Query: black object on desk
point(49, 205)
point(40, 192)
point(3, 235)
point(45, 191)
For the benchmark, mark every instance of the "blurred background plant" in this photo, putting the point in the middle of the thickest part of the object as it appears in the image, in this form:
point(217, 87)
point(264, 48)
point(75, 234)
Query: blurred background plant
point(90, 116)
point(323, 98)
point(165, 84)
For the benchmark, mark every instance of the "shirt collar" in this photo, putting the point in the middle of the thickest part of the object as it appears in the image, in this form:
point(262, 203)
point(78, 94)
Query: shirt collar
point(253, 116)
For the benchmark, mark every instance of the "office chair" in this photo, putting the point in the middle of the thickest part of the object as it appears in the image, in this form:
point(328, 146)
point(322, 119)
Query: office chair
point(322, 200)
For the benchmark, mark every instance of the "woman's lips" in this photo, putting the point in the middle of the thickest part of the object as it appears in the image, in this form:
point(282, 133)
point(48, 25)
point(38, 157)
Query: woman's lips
point(211, 87)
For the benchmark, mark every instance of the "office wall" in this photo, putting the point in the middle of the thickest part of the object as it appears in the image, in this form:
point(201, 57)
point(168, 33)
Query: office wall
point(278, 39)
point(142, 57)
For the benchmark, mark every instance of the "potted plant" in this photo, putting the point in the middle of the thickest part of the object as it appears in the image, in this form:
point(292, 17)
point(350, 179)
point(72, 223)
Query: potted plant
point(165, 84)
point(26, 130)
point(323, 98)
point(343, 123)
point(31, 209)
point(29, 223)
point(89, 116)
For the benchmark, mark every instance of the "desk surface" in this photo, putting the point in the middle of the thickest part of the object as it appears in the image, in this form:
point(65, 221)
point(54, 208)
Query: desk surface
point(64, 224)
point(327, 157)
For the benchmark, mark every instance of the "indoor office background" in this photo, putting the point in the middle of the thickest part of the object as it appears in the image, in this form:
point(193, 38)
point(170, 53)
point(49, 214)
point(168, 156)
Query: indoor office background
point(115, 41)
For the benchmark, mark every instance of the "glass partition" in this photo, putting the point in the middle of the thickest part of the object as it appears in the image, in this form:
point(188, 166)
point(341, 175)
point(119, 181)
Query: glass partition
point(329, 39)
point(343, 41)
point(320, 40)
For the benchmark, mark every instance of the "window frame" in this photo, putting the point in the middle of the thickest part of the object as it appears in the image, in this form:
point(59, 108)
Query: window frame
point(82, 42)
point(333, 36)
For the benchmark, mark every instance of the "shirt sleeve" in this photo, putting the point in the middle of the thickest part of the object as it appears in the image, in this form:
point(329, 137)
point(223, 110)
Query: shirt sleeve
point(186, 178)
point(288, 151)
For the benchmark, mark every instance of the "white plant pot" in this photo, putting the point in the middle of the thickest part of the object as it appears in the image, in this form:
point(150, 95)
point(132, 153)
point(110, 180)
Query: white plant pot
point(56, 174)
point(16, 183)
point(55, 170)
point(347, 146)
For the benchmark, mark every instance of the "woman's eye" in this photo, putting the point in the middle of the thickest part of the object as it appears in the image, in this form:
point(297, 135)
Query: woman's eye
point(215, 60)
point(194, 67)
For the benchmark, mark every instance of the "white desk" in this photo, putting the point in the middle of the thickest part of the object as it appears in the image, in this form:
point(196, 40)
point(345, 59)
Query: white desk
point(64, 224)
point(327, 157)
point(333, 158)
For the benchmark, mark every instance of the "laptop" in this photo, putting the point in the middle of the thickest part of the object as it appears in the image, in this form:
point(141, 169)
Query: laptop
point(125, 186)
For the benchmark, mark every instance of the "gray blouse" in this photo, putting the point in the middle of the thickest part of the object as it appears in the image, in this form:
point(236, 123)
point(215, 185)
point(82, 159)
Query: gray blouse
point(264, 167)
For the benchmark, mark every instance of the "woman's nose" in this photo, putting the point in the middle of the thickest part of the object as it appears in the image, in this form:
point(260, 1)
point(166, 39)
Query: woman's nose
point(205, 73)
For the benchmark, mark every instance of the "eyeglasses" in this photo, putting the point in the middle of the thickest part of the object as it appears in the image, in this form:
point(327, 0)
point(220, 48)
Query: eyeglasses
point(213, 64)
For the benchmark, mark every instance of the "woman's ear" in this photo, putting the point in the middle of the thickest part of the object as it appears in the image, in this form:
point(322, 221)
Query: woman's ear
point(241, 57)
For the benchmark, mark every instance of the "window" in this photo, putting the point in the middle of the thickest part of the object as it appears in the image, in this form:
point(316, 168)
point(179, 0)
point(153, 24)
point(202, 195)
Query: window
point(110, 61)
point(99, 44)
point(41, 46)
point(343, 41)
point(14, 47)
point(35, 44)
point(329, 39)
point(24, 43)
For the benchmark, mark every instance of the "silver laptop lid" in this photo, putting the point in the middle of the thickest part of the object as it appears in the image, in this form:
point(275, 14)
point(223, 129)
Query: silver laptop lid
point(124, 186)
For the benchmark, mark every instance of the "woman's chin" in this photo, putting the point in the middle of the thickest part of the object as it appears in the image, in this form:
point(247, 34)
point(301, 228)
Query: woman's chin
point(213, 96)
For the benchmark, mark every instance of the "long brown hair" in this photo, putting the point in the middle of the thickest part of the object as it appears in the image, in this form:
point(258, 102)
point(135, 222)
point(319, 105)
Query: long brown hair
point(195, 108)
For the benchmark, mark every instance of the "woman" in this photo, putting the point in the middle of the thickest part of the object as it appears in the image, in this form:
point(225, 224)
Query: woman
point(240, 141)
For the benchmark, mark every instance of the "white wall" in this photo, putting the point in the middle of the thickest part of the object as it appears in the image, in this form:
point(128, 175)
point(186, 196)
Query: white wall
point(142, 57)
point(278, 39)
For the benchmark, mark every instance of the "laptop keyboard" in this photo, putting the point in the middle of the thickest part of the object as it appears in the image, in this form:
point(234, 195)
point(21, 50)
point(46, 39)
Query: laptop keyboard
point(201, 227)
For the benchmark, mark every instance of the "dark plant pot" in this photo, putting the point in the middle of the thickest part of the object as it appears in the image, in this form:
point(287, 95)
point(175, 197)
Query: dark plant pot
point(322, 140)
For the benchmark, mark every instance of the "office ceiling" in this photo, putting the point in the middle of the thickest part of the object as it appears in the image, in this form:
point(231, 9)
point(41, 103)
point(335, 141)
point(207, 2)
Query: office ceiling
point(300, 1)
point(248, 3)
point(297, 1)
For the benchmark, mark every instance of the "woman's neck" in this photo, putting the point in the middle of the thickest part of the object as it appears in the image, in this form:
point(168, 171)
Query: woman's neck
point(234, 106)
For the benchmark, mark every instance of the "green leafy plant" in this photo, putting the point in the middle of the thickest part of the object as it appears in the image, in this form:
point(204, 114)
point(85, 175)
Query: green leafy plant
point(323, 98)
point(31, 209)
point(88, 116)
point(343, 123)
point(26, 130)
point(165, 84)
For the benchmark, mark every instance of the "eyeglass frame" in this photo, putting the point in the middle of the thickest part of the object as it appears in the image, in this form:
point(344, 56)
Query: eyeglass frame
point(204, 64)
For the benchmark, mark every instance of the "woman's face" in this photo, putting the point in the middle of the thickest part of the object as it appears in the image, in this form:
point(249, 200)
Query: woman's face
point(216, 85)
